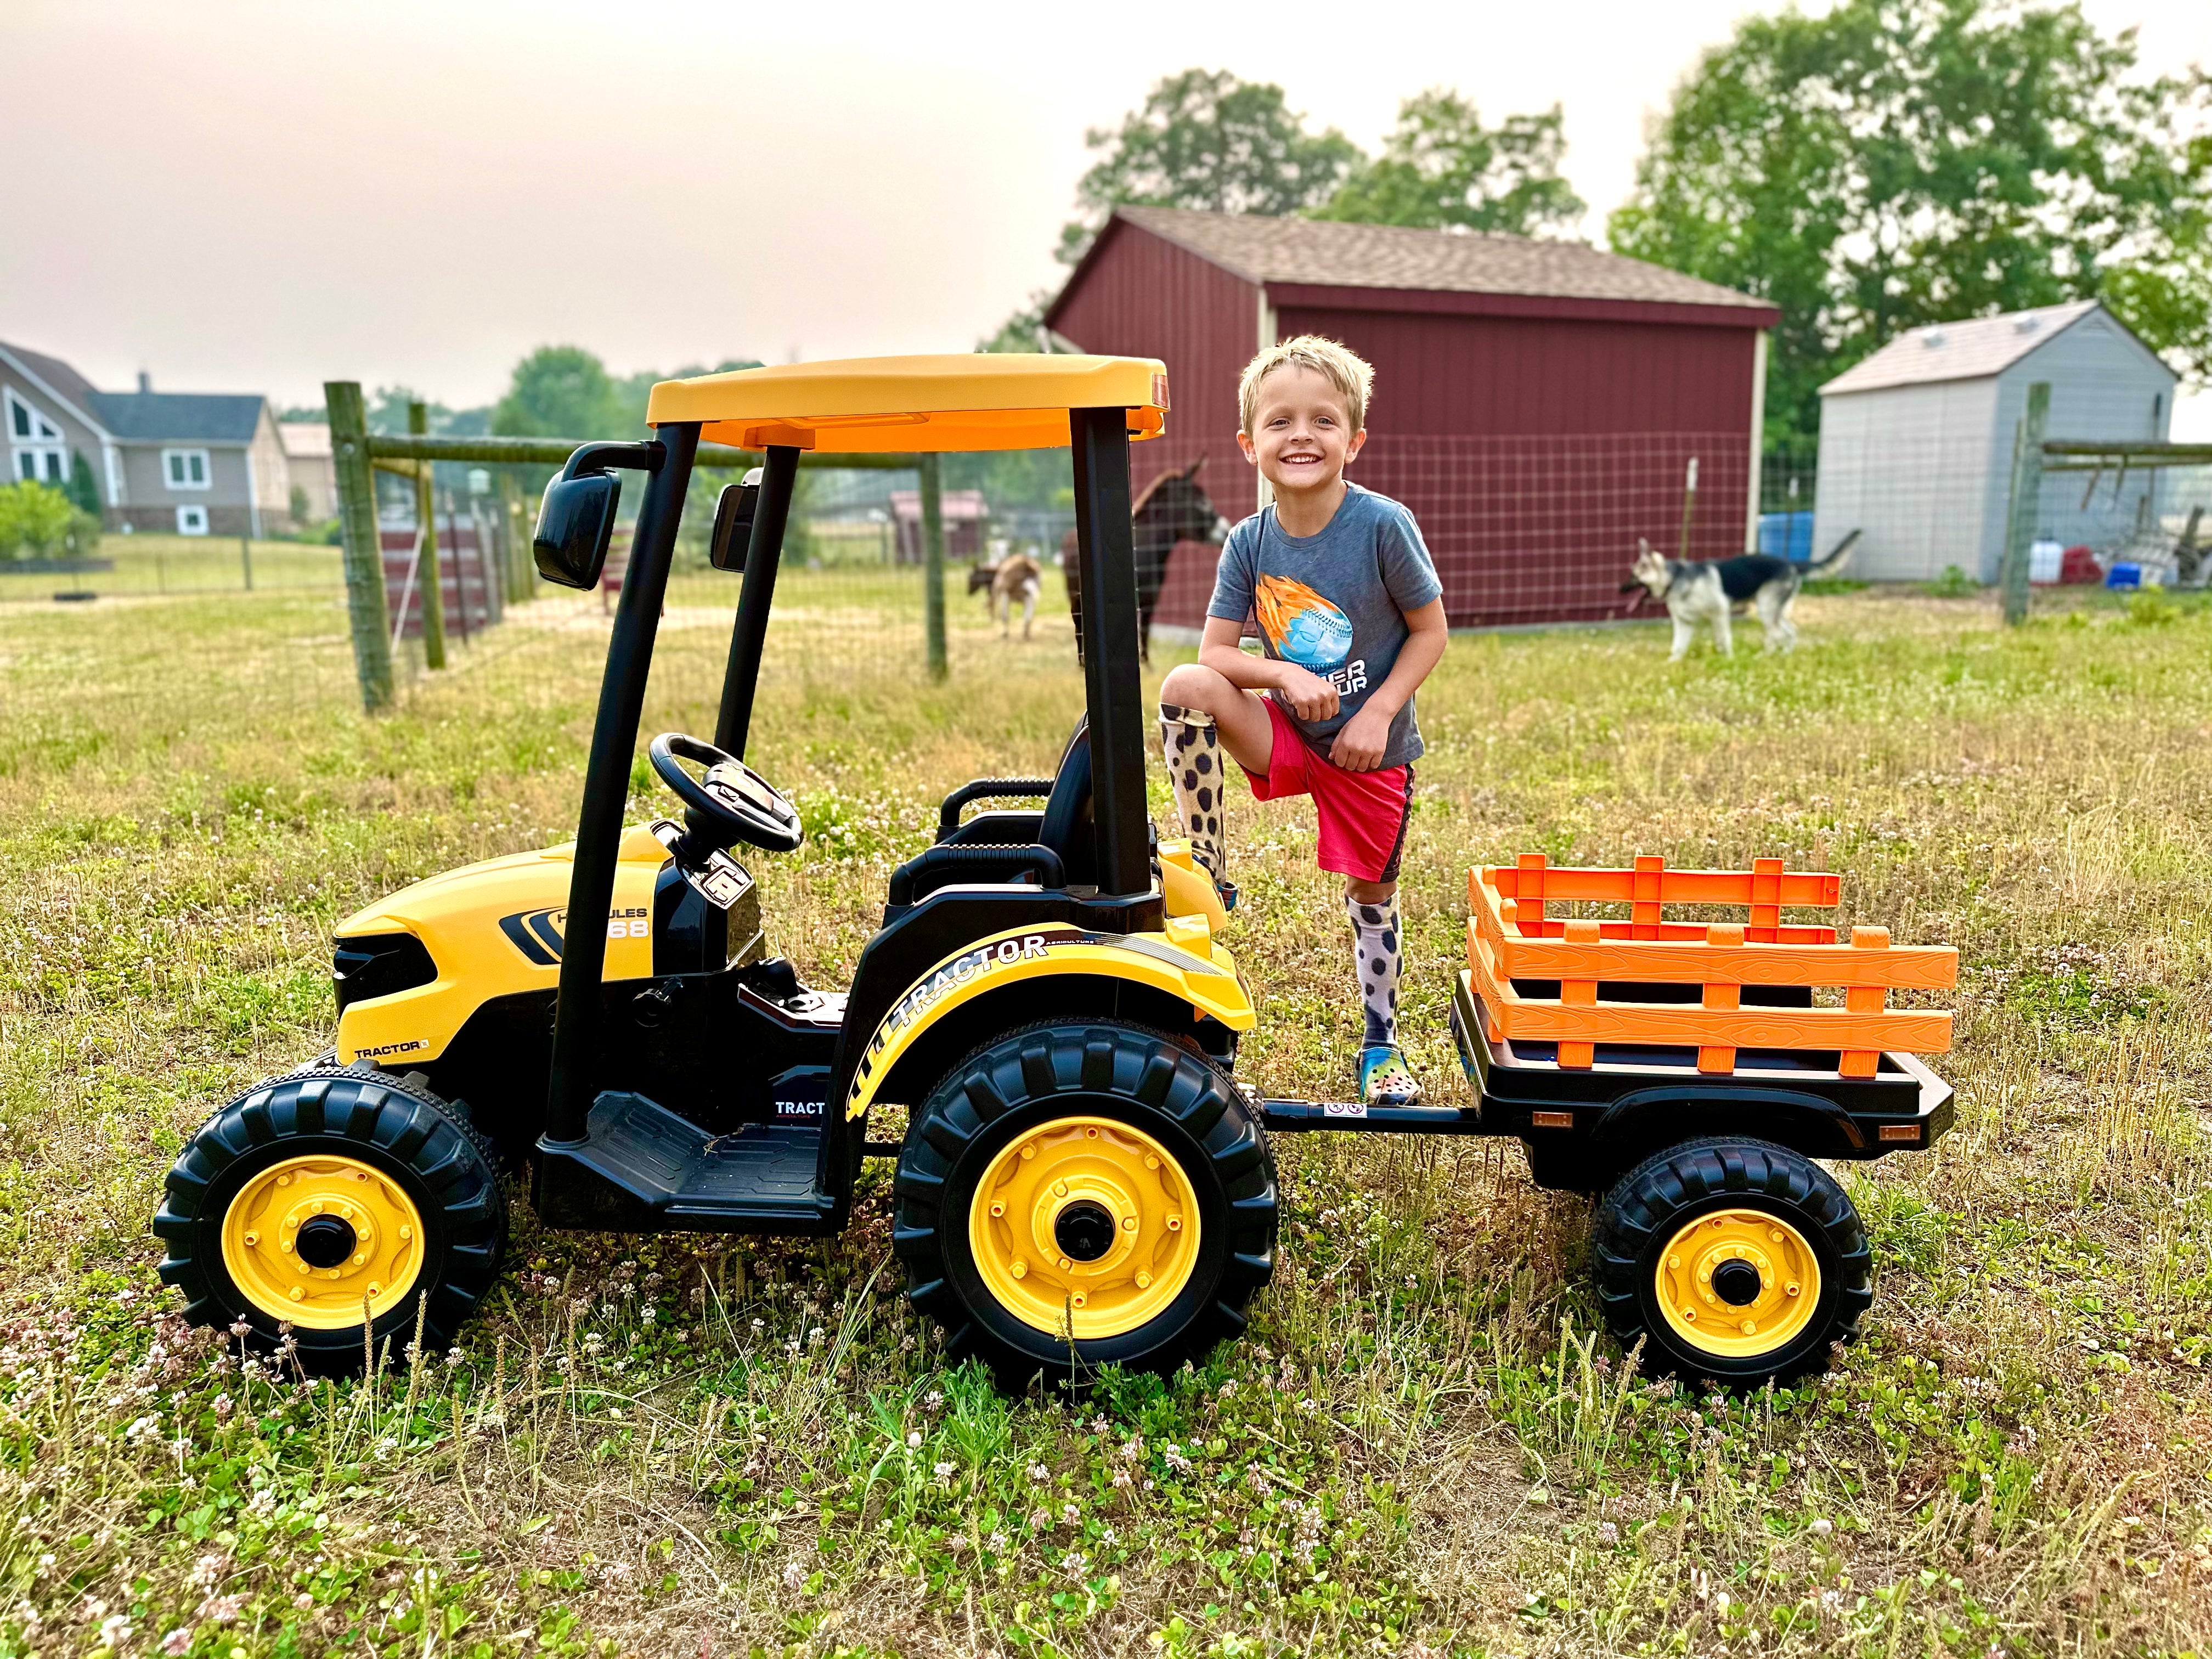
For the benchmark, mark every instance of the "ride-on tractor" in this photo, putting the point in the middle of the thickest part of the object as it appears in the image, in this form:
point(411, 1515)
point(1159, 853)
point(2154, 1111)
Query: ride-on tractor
point(1082, 1180)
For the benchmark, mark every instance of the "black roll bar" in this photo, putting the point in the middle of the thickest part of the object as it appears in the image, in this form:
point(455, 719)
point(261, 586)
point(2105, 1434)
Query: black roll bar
point(580, 1010)
point(764, 555)
point(1107, 562)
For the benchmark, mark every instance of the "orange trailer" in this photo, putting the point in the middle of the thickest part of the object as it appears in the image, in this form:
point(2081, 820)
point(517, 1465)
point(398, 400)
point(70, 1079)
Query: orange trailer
point(1691, 1069)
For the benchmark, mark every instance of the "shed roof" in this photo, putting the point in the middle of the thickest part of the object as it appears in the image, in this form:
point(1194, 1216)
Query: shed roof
point(1971, 350)
point(180, 417)
point(1332, 254)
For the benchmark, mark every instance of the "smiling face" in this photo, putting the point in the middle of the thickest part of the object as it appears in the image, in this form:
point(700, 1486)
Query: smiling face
point(1300, 437)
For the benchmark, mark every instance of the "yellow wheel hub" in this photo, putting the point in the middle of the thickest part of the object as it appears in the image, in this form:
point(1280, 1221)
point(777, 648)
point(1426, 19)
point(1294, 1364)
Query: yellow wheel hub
point(1738, 1282)
point(1085, 1226)
point(309, 1239)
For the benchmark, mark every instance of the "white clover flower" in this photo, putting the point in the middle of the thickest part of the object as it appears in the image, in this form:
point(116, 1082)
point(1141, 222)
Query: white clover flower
point(914, 1439)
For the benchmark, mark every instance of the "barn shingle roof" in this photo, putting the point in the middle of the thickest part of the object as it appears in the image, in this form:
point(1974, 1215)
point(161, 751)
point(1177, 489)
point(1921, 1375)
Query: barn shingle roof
point(1328, 254)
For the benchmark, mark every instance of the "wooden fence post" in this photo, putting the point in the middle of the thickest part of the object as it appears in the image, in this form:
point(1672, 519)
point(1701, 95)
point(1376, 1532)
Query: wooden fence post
point(364, 551)
point(933, 564)
point(428, 583)
point(520, 571)
point(2027, 498)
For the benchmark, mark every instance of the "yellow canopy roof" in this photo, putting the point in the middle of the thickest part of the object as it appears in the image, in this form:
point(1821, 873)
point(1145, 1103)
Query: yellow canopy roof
point(896, 405)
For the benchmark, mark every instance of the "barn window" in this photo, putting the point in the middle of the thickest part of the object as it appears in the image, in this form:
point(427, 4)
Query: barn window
point(186, 469)
point(192, 521)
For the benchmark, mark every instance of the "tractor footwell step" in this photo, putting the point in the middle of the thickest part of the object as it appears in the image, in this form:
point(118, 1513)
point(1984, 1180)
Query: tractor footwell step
point(643, 1168)
point(1290, 1116)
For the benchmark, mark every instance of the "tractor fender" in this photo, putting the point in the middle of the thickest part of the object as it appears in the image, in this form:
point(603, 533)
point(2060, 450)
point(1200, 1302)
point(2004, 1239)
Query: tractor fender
point(1188, 970)
point(1641, 1123)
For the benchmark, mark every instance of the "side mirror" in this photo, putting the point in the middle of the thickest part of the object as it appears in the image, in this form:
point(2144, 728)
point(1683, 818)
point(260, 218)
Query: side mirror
point(574, 522)
point(734, 522)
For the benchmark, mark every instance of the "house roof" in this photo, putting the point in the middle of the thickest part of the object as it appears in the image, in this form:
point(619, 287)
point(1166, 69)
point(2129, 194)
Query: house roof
point(1971, 350)
point(305, 439)
point(180, 417)
point(64, 381)
point(1329, 254)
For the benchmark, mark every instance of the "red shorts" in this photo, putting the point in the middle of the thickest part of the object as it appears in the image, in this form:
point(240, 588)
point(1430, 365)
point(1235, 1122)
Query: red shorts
point(1363, 814)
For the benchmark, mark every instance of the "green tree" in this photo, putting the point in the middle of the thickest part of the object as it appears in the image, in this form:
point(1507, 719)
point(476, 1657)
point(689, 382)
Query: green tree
point(1205, 139)
point(560, 392)
point(1441, 168)
point(39, 522)
point(1899, 162)
point(83, 488)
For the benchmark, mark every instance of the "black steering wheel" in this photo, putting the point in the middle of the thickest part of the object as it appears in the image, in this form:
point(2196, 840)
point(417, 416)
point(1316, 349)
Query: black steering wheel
point(732, 803)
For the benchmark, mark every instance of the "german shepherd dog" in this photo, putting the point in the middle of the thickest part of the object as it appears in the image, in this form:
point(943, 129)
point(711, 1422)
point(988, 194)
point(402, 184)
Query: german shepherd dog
point(1712, 590)
point(1017, 577)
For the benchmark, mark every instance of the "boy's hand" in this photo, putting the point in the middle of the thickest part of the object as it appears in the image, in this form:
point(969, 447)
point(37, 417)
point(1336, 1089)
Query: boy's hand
point(1310, 696)
point(1360, 745)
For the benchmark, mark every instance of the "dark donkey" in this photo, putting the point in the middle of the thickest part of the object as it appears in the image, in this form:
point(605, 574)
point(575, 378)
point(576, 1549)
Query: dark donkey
point(1174, 507)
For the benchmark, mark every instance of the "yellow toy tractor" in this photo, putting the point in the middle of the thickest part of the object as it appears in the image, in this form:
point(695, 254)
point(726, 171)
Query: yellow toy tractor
point(1082, 1181)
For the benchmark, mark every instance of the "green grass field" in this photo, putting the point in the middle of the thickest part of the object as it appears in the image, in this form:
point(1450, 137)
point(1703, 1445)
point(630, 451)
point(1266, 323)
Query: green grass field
point(719, 1447)
point(154, 564)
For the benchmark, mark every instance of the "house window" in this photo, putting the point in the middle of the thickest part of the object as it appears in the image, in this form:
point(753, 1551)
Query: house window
point(186, 469)
point(40, 452)
point(192, 521)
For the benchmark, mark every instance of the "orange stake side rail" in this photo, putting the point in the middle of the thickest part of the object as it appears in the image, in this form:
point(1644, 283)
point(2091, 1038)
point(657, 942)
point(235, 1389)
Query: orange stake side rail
point(1509, 936)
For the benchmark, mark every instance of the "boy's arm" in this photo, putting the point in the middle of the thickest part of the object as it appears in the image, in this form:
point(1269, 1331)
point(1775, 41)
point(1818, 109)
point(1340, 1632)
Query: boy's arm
point(1309, 696)
point(1358, 747)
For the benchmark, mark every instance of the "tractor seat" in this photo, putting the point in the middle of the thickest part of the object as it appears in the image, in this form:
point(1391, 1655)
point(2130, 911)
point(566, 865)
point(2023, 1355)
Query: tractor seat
point(1064, 822)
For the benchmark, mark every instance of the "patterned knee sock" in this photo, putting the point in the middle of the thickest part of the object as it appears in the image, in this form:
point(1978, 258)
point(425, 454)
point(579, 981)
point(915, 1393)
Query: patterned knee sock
point(1376, 945)
point(1192, 748)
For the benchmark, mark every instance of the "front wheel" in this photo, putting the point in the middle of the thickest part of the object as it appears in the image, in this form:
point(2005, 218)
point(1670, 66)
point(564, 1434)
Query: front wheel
point(1078, 1195)
point(1731, 1259)
point(330, 1199)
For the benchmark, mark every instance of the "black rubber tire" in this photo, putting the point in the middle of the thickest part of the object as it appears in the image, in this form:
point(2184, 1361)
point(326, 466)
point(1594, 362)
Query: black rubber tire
point(403, 1131)
point(1105, 1069)
point(1673, 1188)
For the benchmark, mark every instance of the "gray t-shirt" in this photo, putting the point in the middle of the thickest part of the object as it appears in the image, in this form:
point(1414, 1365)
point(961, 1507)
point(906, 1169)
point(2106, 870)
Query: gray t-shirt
point(1334, 603)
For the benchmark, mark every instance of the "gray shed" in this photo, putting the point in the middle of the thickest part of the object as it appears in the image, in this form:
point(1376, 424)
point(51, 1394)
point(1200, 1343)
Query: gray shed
point(1916, 442)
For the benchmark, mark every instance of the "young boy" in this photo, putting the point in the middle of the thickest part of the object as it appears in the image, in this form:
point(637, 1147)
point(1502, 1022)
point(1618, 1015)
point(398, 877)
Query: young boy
point(1351, 620)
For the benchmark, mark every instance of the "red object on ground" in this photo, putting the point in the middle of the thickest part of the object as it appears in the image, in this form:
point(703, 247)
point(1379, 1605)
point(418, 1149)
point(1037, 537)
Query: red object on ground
point(2078, 566)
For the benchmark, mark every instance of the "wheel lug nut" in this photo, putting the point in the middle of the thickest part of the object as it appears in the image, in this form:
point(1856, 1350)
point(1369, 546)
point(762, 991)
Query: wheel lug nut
point(1060, 1188)
point(406, 1233)
point(1675, 1261)
point(1690, 1314)
point(1151, 1163)
point(1174, 1223)
point(997, 1209)
point(252, 1238)
point(1065, 1264)
point(1029, 1151)
point(1793, 1288)
point(362, 1259)
point(284, 1181)
point(1080, 1300)
point(1142, 1280)
point(373, 1288)
point(285, 1245)
point(1021, 1270)
point(298, 1295)
point(1751, 1327)
point(1128, 1224)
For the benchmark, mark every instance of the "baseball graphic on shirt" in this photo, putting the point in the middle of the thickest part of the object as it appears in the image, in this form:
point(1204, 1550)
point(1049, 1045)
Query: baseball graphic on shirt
point(1303, 627)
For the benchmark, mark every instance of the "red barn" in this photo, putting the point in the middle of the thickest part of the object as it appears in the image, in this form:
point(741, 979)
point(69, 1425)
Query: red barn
point(1538, 404)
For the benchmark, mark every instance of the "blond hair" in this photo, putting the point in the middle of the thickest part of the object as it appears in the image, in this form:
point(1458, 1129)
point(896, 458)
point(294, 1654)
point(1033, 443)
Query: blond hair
point(1351, 374)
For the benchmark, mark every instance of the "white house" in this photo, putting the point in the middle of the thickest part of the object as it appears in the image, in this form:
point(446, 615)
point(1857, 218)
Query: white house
point(1916, 442)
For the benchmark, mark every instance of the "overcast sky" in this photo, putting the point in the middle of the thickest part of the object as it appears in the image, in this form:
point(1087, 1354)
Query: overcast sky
point(248, 196)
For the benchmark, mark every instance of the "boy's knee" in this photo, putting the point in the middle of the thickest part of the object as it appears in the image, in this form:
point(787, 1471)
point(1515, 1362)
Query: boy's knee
point(1195, 686)
point(1368, 892)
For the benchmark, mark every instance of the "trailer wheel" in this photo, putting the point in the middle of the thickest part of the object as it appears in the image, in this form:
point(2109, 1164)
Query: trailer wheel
point(1078, 1195)
point(1732, 1259)
point(327, 1196)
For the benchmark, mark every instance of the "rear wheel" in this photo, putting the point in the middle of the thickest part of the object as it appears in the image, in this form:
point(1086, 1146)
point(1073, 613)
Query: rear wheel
point(329, 1199)
point(1080, 1194)
point(1732, 1259)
